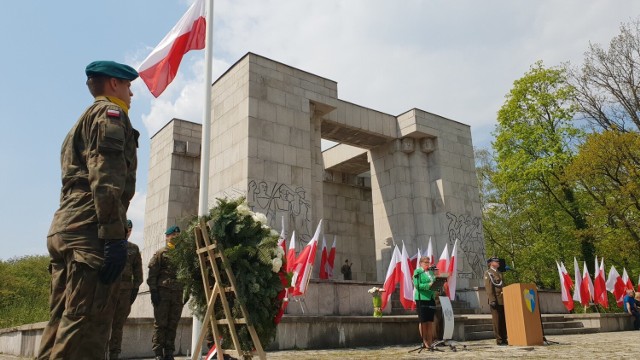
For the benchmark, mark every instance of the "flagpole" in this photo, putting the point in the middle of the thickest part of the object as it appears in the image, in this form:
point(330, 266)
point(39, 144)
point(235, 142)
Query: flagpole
point(203, 197)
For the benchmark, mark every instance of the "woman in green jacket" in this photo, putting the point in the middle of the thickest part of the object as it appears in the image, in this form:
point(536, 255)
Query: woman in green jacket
point(423, 278)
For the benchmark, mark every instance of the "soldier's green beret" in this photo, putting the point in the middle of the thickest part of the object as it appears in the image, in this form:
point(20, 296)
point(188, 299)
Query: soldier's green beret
point(129, 224)
point(111, 69)
point(171, 230)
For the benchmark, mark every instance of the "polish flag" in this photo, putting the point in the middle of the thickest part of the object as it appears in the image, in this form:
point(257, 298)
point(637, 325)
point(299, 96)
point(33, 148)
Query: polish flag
point(331, 259)
point(628, 285)
point(578, 284)
point(599, 286)
point(304, 264)
point(450, 288)
point(393, 276)
point(323, 260)
point(291, 254)
point(586, 286)
point(406, 282)
point(615, 285)
point(414, 262)
point(160, 67)
point(565, 287)
point(432, 258)
point(443, 262)
point(213, 351)
point(283, 237)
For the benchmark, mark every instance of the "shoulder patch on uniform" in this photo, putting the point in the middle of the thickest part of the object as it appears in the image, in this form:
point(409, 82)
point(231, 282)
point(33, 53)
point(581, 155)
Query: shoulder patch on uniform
point(113, 113)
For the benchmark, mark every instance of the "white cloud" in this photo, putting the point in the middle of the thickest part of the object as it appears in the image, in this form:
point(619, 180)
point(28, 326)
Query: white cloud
point(136, 214)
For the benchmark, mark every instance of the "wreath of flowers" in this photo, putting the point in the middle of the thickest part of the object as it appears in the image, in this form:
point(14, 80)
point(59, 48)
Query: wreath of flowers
point(256, 260)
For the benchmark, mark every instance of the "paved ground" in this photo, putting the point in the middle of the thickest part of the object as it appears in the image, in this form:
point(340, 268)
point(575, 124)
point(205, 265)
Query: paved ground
point(612, 345)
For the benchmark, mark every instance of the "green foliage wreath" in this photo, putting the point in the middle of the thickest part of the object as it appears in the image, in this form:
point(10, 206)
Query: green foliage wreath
point(256, 260)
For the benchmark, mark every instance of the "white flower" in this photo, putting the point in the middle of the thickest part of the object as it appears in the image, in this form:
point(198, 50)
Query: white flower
point(278, 252)
point(276, 264)
point(260, 217)
point(274, 233)
point(375, 289)
point(243, 209)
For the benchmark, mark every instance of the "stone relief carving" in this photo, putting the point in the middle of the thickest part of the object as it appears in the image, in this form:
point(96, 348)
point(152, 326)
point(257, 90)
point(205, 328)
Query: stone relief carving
point(468, 231)
point(277, 200)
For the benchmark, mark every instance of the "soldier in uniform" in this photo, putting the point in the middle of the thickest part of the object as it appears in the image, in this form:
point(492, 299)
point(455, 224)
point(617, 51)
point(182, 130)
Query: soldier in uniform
point(167, 298)
point(87, 238)
point(129, 285)
point(493, 285)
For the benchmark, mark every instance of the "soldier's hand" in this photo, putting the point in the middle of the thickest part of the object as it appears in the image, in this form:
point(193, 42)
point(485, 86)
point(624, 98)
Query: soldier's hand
point(134, 295)
point(493, 304)
point(115, 258)
point(155, 297)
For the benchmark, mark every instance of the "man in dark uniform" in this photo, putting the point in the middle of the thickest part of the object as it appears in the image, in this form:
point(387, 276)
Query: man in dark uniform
point(167, 298)
point(493, 285)
point(346, 270)
point(86, 240)
point(129, 284)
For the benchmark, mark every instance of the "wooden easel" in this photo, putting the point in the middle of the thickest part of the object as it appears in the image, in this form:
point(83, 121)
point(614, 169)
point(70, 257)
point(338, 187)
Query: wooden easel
point(208, 250)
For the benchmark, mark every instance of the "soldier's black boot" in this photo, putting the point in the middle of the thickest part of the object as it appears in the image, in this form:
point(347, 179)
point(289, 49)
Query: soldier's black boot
point(168, 356)
point(159, 356)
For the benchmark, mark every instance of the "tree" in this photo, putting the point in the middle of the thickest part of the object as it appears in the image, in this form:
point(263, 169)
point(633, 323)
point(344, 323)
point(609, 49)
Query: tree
point(535, 142)
point(607, 87)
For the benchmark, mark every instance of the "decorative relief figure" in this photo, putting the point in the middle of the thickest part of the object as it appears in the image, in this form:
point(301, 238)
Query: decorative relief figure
point(468, 231)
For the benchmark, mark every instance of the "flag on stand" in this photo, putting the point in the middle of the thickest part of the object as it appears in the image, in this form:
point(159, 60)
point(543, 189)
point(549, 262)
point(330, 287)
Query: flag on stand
point(586, 286)
point(565, 288)
point(443, 262)
point(331, 259)
point(599, 286)
point(161, 66)
point(283, 237)
point(578, 284)
point(406, 282)
point(450, 288)
point(628, 285)
point(414, 262)
point(432, 258)
point(392, 277)
point(323, 260)
point(615, 285)
point(304, 263)
point(291, 253)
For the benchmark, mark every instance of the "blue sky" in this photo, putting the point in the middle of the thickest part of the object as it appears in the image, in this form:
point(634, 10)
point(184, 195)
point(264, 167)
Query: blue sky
point(454, 58)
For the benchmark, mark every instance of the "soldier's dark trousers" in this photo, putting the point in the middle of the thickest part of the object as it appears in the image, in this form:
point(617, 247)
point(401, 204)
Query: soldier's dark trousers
point(123, 308)
point(499, 324)
point(81, 306)
point(167, 315)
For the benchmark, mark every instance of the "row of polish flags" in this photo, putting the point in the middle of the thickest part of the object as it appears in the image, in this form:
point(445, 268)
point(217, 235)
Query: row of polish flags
point(586, 290)
point(401, 269)
point(300, 266)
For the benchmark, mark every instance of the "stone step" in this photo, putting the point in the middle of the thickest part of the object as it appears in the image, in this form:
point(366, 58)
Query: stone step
point(478, 335)
point(478, 328)
point(570, 331)
point(562, 325)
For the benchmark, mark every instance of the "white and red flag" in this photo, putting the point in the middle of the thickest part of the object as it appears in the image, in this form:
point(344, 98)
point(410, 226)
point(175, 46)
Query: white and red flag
point(304, 264)
point(578, 276)
point(443, 262)
point(599, 286)
point(450, 288)
point(160, 67)
point(406, 281)
point(429, 254)
point(628, 285)
point(586, 286)
point(323, 260)
point(565, 287)
point(392, 277)
point(291, 253)
point(331, 259)
point(615, 285)
point(414, 262)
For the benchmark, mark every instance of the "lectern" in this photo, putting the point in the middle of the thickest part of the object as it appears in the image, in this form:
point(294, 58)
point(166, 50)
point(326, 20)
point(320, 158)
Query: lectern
point(522, 315)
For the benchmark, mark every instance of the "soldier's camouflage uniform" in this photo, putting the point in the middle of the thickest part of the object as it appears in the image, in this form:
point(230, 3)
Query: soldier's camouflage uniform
point(98, 162)
point(162, 277)
point(130, 281)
